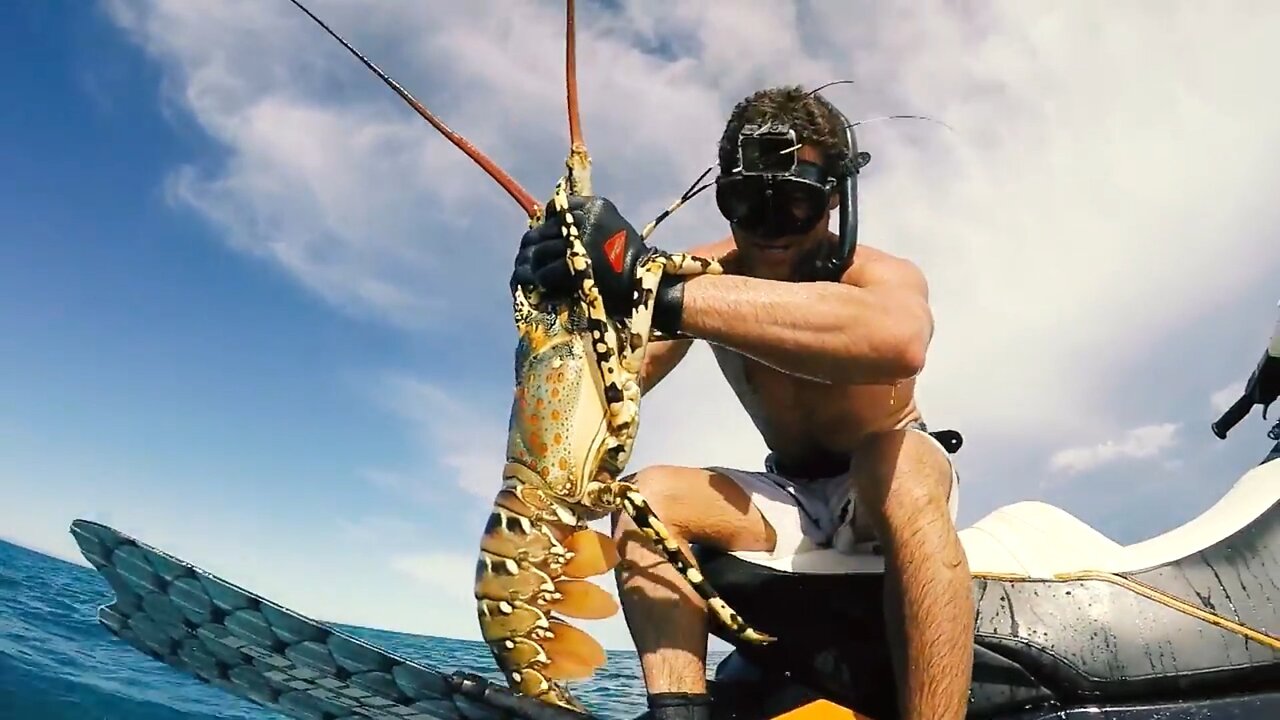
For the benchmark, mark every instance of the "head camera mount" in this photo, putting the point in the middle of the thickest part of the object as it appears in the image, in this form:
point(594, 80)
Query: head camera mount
point(769, 150)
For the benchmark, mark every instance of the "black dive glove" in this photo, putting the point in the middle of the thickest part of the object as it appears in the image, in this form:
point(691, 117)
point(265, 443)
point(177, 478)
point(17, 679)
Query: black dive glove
point(614, 248)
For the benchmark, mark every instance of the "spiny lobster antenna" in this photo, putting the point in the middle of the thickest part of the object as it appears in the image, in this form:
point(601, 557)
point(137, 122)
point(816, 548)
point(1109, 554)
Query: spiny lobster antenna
point(531, 206)
point(688, 195)
point(579, 162)
point(900, 117)
point(827, 85)
point(885, 117)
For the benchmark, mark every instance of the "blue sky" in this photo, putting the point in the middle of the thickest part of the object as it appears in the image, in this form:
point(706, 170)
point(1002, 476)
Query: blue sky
point(255, 308)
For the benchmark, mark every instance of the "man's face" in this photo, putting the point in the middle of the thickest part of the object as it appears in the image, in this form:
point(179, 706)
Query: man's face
point(781, 258)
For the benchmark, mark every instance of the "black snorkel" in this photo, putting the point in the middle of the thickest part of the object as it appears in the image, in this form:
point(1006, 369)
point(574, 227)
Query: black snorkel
point(833, 266)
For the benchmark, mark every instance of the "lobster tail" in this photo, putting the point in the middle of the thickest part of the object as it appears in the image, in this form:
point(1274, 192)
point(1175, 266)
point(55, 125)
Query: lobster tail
point(531, 568)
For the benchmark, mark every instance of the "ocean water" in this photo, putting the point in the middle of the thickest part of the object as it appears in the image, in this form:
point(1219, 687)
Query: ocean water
point(58, 663)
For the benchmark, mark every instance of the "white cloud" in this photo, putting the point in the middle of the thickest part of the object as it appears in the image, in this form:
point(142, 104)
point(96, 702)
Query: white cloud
point(1070, 174)
point(1140, 443)
point(1106, 158)
point(451, 426)
point(1224, 398)
point(448, 575)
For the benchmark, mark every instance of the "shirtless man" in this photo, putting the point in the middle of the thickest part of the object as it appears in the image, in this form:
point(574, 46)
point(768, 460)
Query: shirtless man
point(826, 369)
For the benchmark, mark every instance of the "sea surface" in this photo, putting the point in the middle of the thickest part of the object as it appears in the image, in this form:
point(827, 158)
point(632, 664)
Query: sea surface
point(58, 663)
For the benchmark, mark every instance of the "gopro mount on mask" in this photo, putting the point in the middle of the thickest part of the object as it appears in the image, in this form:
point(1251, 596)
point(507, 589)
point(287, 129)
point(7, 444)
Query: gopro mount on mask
point(773, 193)
point(767, 150)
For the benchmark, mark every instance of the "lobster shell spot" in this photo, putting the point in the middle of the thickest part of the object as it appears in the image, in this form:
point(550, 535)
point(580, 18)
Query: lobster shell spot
point(502, 620)
point(594, 553)
point(522, 653)
point(500, 578)
point(585, 600)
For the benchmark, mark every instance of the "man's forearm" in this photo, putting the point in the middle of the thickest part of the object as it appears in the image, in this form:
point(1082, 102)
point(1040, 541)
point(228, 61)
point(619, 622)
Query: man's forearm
point(829, 332)
point(660, 359)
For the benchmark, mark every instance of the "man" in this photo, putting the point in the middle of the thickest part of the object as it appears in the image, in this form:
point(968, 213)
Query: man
point(826, 368)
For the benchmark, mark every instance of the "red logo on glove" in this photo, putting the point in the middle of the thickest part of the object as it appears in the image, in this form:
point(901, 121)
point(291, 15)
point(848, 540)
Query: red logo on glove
point(613, 248)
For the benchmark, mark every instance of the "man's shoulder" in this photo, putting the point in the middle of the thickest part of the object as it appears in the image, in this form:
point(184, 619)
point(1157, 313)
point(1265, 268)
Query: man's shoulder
point(873, 266)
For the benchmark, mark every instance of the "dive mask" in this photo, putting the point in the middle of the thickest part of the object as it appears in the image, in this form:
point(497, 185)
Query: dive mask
point(772, 193)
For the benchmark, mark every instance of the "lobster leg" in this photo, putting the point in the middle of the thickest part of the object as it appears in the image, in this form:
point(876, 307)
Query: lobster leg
point(597, 319)
point(637, 508)
point(656, 264)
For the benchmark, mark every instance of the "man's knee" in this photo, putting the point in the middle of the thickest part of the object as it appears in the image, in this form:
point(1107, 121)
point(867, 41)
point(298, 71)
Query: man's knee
point(698, 505)
point(658, 484)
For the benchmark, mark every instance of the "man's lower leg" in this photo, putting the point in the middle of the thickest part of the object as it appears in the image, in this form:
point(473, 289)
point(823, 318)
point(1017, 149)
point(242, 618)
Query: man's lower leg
point(929, 601)
point(931, 622)
point(667, 619)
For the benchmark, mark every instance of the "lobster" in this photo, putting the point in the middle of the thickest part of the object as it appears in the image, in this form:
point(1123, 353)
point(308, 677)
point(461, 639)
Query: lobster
point(573, 422)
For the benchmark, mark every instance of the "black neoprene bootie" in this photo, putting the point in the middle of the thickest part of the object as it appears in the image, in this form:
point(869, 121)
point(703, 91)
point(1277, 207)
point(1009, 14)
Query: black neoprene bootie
point(679, 706)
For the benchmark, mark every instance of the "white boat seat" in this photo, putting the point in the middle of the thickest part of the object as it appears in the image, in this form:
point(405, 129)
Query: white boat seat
point(1037, 540)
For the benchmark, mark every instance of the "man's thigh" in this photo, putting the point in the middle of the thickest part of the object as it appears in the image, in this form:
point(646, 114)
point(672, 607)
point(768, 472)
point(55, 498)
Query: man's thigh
point(913, 461)
point(798, 513)
point(725, 508)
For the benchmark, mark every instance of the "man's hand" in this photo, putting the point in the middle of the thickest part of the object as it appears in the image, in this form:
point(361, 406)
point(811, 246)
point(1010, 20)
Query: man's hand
point(614, 248)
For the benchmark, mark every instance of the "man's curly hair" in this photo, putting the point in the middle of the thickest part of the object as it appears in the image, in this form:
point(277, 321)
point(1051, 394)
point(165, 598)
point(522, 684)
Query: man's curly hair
point(815, 121)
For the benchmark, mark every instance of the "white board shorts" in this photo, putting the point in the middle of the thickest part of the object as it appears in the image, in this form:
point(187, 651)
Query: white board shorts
point(819, 513)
